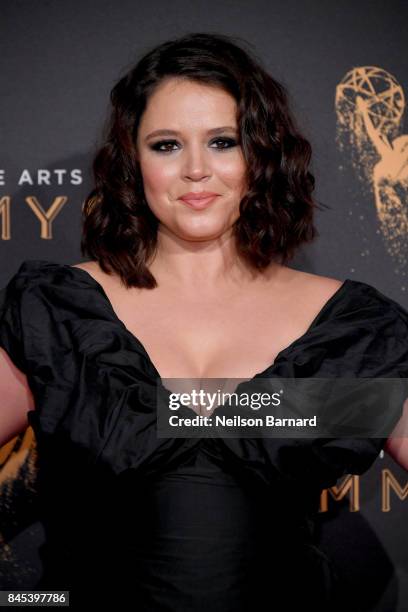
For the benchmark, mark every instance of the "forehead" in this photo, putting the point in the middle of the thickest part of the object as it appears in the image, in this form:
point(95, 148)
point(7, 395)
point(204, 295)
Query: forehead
point(178, 103)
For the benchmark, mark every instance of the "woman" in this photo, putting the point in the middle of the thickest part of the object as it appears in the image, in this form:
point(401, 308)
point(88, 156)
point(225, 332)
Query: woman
point(202, 194)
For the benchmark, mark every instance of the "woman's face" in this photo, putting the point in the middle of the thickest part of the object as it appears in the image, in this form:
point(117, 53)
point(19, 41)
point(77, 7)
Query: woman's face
point(191, 157)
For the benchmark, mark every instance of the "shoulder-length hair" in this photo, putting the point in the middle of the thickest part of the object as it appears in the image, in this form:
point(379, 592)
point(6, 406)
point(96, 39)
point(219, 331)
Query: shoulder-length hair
point(119, 230)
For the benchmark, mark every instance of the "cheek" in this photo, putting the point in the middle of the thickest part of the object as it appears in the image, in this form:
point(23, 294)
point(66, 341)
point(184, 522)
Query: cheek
point(232, 173)
point(157, 177)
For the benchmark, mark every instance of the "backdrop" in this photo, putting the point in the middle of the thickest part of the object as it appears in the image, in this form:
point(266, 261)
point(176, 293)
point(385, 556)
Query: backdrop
point(58, 63)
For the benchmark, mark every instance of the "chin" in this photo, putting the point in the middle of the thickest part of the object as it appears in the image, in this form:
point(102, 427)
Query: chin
point(201, 231)
point(204, 226)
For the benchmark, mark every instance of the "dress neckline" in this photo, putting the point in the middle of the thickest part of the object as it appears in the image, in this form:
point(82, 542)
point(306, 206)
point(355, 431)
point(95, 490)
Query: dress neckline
point(337, 295)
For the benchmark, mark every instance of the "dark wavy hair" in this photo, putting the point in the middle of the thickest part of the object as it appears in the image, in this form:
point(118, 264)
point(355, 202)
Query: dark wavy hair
point(119, 230)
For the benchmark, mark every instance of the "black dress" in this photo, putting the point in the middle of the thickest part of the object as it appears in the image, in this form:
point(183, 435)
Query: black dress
point(181, 524)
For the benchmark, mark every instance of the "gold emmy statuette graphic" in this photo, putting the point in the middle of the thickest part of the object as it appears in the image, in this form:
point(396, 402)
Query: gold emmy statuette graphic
point(18, 472)
point(369, 108)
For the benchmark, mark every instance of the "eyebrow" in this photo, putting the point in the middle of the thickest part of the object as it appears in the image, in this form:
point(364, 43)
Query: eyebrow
point(216, 130)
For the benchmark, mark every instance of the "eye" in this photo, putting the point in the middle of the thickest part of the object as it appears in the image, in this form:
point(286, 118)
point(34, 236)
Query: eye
point(157, 145)
point(230, 142)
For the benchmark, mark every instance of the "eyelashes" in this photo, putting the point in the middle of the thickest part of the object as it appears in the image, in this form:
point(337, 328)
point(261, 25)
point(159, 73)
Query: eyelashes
point(157, 146)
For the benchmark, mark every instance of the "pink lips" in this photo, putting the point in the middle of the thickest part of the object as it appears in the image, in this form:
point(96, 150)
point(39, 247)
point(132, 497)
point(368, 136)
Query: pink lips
point(198, 201)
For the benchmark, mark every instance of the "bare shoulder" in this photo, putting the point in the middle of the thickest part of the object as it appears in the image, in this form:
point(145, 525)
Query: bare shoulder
point(86, 265)
point(307, 287)
point(305, 294)
point(318, 282)
point(93, 268)
point(315, 287)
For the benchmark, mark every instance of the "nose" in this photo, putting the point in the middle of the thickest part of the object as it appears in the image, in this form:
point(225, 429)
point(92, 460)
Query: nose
point(196, 163)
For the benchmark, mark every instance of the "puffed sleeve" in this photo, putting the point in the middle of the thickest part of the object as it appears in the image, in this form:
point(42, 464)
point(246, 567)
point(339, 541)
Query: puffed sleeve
point(34, 325)
point(43, 317)
point(11, 332)
point(366, 337)
point(379, 350)
point(94, 386)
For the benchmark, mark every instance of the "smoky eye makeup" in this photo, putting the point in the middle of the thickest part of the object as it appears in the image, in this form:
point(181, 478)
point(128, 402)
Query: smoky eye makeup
point(166, 145)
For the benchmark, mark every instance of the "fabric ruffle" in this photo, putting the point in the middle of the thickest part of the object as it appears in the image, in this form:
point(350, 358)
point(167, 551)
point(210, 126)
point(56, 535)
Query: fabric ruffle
point(95, 386)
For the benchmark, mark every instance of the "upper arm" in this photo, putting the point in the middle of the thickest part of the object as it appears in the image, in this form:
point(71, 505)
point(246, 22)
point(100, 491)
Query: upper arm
point(16, 399)
point(397, 444)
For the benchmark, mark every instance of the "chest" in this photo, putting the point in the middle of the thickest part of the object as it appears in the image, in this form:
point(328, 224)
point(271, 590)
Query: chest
point(213, 339)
